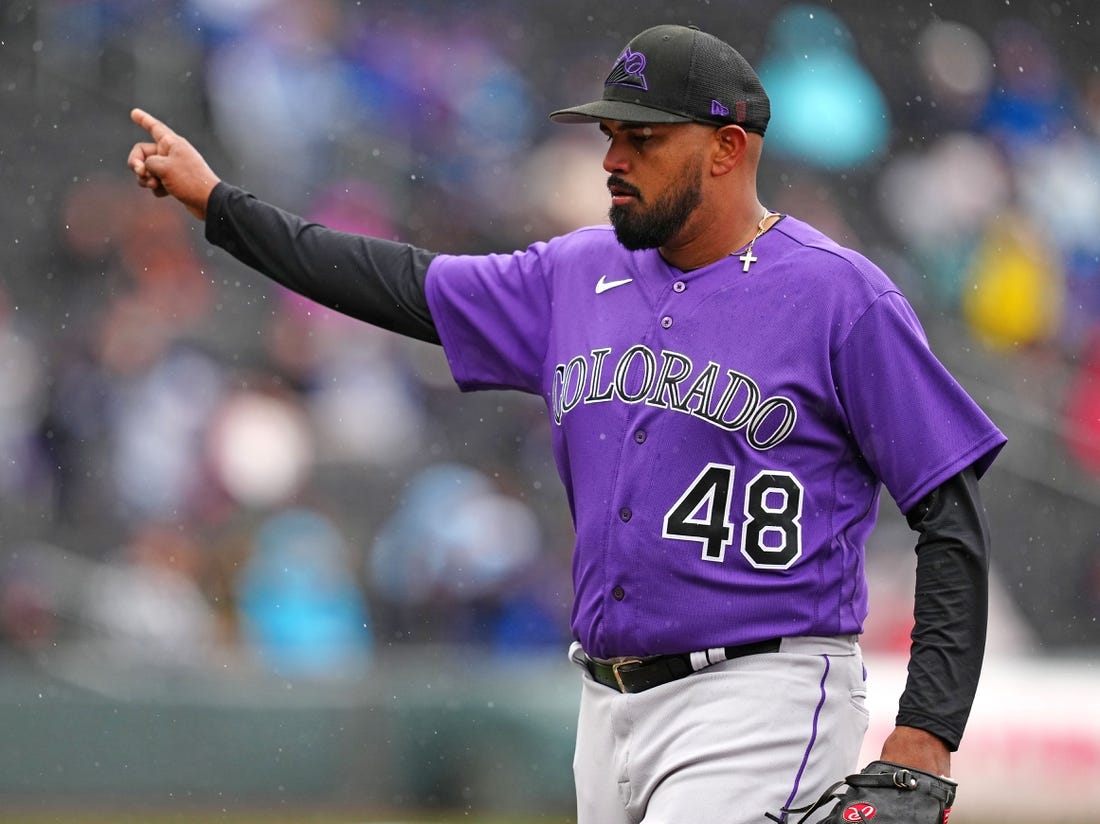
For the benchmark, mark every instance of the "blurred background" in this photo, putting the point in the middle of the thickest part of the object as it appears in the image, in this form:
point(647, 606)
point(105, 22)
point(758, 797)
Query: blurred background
point(254, 555)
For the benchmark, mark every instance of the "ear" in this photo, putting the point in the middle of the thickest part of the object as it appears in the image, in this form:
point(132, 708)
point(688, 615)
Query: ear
point(730, 144)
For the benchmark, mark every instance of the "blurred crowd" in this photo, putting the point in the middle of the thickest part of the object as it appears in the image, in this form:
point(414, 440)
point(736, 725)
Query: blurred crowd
point(201, 467)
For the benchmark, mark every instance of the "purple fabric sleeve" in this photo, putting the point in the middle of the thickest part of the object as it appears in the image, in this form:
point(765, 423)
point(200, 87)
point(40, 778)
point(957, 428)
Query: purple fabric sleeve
point(510, 300)
point(915, 425)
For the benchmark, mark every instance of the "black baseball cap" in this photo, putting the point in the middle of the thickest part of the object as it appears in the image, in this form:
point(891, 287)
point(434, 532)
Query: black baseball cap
point(678, 74)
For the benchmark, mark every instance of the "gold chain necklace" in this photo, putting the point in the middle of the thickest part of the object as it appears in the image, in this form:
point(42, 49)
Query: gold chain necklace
point(748, 258)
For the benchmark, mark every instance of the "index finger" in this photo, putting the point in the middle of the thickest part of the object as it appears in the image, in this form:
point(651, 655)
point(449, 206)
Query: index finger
point(155, 127)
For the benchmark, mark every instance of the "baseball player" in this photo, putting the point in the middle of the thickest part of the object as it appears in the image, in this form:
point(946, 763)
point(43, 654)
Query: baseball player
point(728, 391)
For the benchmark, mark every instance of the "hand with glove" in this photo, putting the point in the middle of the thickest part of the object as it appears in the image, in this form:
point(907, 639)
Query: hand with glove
point(884, 793)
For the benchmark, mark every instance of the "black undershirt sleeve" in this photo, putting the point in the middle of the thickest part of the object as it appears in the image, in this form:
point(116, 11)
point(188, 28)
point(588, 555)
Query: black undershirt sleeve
point(377, 281)
point(950, 610)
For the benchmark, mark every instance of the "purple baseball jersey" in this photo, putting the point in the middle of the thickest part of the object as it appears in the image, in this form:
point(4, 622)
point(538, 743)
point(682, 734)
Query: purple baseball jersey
point(722, 435)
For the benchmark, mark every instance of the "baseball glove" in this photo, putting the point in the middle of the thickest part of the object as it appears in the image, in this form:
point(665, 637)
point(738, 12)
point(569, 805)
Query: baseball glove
point(883, 793)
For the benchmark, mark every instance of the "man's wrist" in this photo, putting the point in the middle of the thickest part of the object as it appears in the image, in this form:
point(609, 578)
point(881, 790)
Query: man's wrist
point(921, 749)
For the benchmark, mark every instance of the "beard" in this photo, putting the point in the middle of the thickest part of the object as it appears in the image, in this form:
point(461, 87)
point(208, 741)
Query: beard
point(638, 227)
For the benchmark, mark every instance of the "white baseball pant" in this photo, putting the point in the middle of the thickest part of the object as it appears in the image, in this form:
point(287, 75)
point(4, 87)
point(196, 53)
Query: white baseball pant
point(726, 744)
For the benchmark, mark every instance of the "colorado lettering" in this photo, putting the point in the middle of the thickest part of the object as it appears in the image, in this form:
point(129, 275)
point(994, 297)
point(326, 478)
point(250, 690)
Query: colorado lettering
point(725, 398)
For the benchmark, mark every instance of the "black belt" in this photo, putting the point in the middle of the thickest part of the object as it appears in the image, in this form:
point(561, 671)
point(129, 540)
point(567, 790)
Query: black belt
point(640, 674)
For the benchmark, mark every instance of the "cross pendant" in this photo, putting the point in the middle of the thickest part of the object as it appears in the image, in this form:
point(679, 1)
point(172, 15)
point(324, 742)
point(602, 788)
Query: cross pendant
point(748, 259)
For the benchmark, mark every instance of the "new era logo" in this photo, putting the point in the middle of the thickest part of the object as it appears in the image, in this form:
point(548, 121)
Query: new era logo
point(718, 109)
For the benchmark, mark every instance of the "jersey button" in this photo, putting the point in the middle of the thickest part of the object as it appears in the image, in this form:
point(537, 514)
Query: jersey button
point(618, 593)
point(640, 436)
point(625, 513)
point(679, 286)
point(666, 322)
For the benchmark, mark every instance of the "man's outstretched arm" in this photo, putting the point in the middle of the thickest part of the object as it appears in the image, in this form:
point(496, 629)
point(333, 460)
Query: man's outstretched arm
point(375, 280)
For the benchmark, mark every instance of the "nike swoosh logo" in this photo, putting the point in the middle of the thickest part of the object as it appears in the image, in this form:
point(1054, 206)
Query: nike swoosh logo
point(603, 284)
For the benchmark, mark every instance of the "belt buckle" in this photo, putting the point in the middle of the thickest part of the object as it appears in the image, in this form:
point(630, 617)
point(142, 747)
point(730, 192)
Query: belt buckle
point(615, 667)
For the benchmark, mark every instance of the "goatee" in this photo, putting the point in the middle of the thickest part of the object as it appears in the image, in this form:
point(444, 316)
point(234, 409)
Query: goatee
point(638, 227)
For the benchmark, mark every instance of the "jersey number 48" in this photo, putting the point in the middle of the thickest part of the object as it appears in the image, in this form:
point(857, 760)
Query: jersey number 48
point(771, 532)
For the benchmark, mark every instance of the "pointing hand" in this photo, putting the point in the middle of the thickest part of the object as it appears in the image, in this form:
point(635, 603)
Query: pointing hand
point(170, 165)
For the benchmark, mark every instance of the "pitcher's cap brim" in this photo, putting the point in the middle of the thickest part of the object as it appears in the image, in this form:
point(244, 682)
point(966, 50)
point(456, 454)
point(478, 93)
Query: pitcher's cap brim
point(619, 110)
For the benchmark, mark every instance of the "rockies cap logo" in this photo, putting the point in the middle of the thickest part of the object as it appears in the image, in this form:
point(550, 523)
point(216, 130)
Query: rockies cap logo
point(628, 71)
